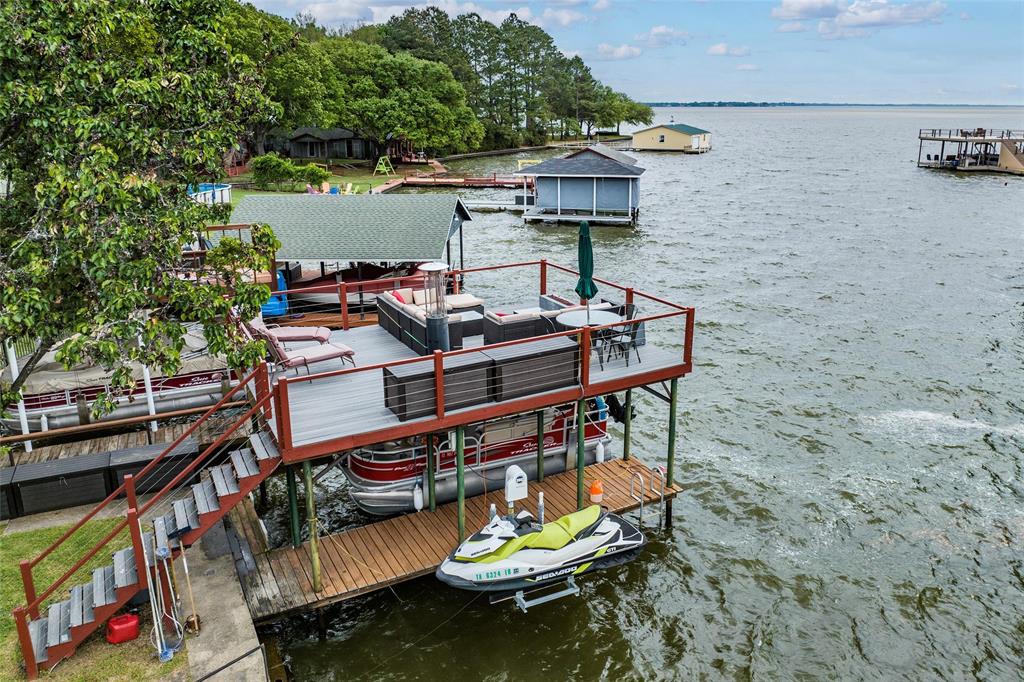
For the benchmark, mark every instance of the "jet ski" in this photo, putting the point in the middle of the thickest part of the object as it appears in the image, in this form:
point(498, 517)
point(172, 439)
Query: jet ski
point(513, 553)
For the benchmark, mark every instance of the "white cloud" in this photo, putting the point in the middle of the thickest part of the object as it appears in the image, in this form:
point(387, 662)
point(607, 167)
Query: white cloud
point(602, 4)
point(330, 12)
point(561, 17)
point(792, 27)
point(964, 16)
point(623, 51)
point(857, 18)
point(808, 9)
point(723, 50)
point(748, 67)
point(663, 36)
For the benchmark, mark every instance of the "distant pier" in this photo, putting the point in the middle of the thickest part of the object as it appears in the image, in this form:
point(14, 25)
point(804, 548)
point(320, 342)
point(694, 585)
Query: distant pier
point(976, 150)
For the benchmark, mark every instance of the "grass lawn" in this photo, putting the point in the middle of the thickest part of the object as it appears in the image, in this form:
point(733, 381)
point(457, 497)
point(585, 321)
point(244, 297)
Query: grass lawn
point(362, 181)
point(95, 659)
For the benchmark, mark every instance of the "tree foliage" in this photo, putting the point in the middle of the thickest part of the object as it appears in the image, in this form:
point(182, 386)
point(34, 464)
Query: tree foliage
point(109, 111)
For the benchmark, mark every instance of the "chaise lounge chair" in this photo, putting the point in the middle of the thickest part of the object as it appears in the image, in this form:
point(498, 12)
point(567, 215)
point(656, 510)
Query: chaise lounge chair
point(289, 334)
point(304, 357)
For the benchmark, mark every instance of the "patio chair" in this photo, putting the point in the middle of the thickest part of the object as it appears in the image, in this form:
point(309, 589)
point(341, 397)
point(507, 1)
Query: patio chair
point(310, 355)
point(622, 340)
point(289, 334)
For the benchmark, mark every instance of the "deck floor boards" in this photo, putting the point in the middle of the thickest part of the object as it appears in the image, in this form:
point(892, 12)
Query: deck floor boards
point(350, 404)
point(371, 557)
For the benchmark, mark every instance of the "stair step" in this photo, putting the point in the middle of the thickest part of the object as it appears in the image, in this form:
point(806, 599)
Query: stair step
point(224, 480)
point(81, 605)
point(186, 514)
point(244, 462)
point(262, 444)
point(205, 493)
point(103, 591)
point(124, 568)
point(147, 543)
point(58, 623)
point(37, 633)
point(166, 532)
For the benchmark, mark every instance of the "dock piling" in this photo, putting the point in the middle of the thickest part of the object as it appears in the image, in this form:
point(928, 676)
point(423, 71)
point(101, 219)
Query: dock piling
point(581, 453)
point(627, 427)
point(314, 550)
point(460, 478)
point(293, 504)
point(431, 483)
point(673, 400)
point(540, 446)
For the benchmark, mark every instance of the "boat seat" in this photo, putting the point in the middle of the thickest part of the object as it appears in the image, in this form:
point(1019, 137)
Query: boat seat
point(553, 535)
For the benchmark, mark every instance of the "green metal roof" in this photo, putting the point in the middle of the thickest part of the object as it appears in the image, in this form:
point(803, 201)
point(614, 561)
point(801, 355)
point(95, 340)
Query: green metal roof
point(679, 128)
point(359, 228)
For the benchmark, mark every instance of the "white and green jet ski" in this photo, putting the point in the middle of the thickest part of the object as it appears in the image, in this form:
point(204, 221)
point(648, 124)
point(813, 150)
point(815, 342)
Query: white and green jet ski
point(516, 553)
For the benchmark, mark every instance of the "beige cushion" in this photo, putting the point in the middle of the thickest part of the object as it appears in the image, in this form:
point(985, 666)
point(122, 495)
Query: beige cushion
point(421, 314)
point(387, 296)
point(463, 301)
point(455, 318)
point(411, 309)
point(552, 313)
point(419, 297)
point(491, 316)
point(406, 294)
point(517, 318)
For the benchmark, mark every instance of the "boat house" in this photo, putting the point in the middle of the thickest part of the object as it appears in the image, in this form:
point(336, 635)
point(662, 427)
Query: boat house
point(596, 183)
point(329, 240)
point(979, 149)
point(673, 137)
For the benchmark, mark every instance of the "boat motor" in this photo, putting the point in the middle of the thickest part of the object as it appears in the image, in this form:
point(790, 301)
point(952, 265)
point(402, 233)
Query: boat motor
point(516, 487)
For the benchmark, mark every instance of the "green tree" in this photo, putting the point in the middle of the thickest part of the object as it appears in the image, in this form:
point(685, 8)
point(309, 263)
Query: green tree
point(384, 96)
point(109, 110)
point(271, 169)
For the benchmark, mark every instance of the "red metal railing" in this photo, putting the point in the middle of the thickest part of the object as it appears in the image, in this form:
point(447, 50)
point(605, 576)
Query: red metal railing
point(264, 398)
point(284, 420)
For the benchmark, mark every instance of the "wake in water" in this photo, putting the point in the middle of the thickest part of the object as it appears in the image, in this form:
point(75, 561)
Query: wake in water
point(934, 426)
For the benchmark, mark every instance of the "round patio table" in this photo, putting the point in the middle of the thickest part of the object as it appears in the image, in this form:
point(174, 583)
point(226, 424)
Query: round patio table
point(578, 318)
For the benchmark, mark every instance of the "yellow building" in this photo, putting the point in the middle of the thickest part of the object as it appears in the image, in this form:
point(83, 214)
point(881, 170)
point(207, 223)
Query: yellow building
point(673, 137)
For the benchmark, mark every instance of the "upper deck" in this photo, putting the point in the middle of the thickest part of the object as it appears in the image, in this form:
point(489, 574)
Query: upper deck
point(395, 392)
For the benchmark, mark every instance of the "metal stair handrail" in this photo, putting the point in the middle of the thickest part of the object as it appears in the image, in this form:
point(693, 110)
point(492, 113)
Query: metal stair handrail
point(33, 600)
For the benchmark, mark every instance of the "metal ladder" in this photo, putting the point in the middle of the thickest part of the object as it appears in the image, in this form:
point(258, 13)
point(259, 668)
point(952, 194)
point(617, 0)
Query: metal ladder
point(658, 473)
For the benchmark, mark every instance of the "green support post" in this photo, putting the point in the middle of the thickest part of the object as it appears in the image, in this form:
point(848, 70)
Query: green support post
point(314, 549)
point(431, 483)
point(627, 444)
point(460, 477)
point(293, 504)
point(581, 456)
point(673, 399)
point(540, 446)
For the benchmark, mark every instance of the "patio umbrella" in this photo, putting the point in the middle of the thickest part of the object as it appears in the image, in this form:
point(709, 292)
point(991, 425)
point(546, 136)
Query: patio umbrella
point(585, 287)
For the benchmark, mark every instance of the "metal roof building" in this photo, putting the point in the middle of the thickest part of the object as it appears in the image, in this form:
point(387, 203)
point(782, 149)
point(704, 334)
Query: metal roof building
point(368, 228)
point(596, 183)
point(673, 137)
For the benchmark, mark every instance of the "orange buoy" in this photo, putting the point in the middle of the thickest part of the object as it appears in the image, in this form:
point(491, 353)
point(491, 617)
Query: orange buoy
point(596, 492)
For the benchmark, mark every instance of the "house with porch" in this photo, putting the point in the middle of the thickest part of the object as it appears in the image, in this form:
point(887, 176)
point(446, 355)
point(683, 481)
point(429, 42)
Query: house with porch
point(327, 143)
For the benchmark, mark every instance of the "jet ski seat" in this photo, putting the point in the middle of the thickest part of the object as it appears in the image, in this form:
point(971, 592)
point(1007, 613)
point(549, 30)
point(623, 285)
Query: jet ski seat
point(553, 535)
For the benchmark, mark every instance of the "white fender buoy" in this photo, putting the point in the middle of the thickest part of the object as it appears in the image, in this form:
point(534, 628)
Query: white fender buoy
point(417, 497)
point(599, 451)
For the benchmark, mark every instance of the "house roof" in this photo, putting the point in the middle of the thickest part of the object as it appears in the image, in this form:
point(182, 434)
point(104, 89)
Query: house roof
point(606, 152)
point(323, 133)
point(360, 228)
point(679, 128)
point(588, 167)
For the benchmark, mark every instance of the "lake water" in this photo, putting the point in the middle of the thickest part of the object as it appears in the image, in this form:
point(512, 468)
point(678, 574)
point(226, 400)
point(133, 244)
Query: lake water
point(851, 440)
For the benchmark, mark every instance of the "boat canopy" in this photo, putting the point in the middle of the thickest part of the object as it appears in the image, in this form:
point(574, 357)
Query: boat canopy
point(365, 228)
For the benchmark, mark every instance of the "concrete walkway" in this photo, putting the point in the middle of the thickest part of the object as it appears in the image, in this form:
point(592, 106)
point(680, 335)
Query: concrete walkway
point(227, 630)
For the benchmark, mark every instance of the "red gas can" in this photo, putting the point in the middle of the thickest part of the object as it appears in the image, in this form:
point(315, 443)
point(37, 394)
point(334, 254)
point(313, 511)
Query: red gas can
point(122, 628)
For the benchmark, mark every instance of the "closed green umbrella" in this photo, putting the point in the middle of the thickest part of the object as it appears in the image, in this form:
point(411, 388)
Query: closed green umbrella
point(585, 287)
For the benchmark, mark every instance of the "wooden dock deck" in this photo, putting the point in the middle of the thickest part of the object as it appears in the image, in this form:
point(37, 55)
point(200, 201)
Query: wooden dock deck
point(361, 560)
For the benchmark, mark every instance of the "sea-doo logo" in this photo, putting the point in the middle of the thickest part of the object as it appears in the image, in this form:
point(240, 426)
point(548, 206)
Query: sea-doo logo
point(555, 574)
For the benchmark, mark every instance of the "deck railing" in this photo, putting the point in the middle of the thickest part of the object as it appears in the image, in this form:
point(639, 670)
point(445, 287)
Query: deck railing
point(967, 133)
point(588, 381)
point(78, 538)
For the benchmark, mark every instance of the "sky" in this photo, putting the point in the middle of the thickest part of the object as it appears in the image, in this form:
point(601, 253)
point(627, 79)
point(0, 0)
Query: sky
point(856, 51)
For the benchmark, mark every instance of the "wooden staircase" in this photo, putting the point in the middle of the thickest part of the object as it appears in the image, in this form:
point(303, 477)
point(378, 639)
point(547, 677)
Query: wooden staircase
point(67, 623)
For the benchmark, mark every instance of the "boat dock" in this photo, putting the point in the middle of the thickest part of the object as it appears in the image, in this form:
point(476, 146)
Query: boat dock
point(435, 180)
point(977, 150)
point(361, 560)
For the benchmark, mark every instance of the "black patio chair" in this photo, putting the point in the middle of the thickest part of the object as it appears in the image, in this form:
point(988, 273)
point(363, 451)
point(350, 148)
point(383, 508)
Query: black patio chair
point(623, 340)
